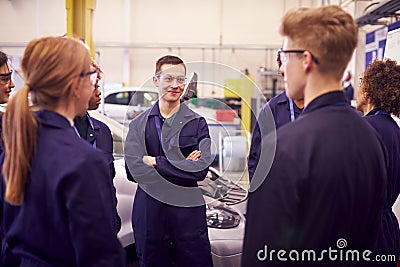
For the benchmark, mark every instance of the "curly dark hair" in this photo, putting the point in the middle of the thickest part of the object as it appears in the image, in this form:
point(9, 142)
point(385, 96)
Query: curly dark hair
point(381, 84)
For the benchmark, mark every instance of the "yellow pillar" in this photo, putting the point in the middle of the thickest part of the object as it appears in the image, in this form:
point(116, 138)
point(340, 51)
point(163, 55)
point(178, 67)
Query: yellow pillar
point(80, 20)
point(241, 88)
point(246, 111)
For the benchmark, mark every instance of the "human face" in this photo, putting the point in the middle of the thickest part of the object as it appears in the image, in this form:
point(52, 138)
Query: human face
point(88, 80)
point(170, 82)
point(361, 100)
point(95, 99)
point(6, 83)
point(294, 71)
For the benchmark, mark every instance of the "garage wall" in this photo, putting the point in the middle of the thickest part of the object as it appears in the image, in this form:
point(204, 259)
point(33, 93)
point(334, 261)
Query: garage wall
point(23, 20)
point(126, 31)
point(188, 26)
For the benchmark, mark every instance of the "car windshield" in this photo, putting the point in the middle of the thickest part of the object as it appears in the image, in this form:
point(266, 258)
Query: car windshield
point(143, 99)
point(132, 98)
point(118, 132)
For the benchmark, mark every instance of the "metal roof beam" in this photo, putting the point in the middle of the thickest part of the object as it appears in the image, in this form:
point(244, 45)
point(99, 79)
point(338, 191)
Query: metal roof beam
point(385, 9)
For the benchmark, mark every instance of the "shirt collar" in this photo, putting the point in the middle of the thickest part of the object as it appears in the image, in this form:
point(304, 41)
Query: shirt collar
point(183, 109)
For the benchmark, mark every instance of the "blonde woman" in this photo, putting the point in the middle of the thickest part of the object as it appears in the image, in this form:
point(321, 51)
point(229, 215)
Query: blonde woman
point(56, 191)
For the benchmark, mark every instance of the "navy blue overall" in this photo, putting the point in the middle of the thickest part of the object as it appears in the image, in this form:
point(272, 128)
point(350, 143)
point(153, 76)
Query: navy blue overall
point(67, 217)
point(388, 242)
point(325, 189)
point(169, 217)
point(283, 110)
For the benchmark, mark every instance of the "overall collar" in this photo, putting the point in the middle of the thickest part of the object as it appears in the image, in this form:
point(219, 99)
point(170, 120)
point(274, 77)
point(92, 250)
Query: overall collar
point(52, 119)
point(183, 115)
point(335, 98)
point(377, 111)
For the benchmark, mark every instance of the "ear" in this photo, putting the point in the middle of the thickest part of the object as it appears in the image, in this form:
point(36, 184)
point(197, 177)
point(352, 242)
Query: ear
point(75, 89)
point(155, 81)
point(308, 61)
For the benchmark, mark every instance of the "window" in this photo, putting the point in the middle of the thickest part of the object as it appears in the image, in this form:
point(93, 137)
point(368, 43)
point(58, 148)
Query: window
point(120, 98)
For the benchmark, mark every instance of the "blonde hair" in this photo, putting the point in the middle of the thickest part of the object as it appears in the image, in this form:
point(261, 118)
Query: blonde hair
point(50, 66)
point(328, 33)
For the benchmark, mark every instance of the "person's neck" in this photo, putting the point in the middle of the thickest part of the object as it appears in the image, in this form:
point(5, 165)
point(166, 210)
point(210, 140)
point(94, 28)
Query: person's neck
point(319, 85)
point(67, 111)
point(367, 108)
point(299, 103)
point(167, 109)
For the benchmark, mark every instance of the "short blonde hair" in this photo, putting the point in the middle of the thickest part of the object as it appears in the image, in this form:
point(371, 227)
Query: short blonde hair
point(328, 33)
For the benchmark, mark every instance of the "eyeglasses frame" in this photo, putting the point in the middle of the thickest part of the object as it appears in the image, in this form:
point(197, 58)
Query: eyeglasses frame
point(297, 51)
point(159, 75)
point(5, 75)
point(93, 78)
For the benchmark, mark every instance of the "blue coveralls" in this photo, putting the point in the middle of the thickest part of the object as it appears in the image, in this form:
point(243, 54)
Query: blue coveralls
point(282, 113)
point(67, 215)
point(169, 219)
point(99, 136)
point(325, 189)
point(388, 242)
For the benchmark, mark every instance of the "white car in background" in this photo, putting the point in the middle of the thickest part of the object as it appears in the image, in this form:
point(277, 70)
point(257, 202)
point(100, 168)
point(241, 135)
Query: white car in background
point(124, 103)
point(226, 202)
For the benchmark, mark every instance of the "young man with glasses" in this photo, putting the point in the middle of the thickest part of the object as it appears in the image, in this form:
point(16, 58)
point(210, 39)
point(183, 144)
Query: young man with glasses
point(6, 83)
point(283, 110)
point(167, 151)
point(325, 188)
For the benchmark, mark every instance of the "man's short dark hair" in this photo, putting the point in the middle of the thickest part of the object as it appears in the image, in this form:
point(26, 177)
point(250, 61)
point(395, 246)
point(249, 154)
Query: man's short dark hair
point(168, 59)
point(3, 58)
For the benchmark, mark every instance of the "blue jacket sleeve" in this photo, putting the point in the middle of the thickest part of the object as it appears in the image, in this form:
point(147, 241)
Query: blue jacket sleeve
point(91, 214)
point(254, 153)
point(264, 126)
point(134, 150)
point(188, 169)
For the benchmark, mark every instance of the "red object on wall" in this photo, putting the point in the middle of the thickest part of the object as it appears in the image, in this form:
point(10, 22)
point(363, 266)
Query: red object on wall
point(225, 115)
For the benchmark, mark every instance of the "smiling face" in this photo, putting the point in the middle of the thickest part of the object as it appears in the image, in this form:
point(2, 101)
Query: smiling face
point(170, 82)
point(6, 83)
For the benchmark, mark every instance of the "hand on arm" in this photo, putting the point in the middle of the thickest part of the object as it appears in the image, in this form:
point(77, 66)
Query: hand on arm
point(195, 155)
point(149, 160)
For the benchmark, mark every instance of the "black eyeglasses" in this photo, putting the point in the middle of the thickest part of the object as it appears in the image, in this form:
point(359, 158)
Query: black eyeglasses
point(92, 74)
point(5, 78)
point(284, 58)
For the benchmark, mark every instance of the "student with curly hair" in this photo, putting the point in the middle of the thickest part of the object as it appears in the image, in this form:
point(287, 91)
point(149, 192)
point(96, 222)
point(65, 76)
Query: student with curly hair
point(377, 98)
